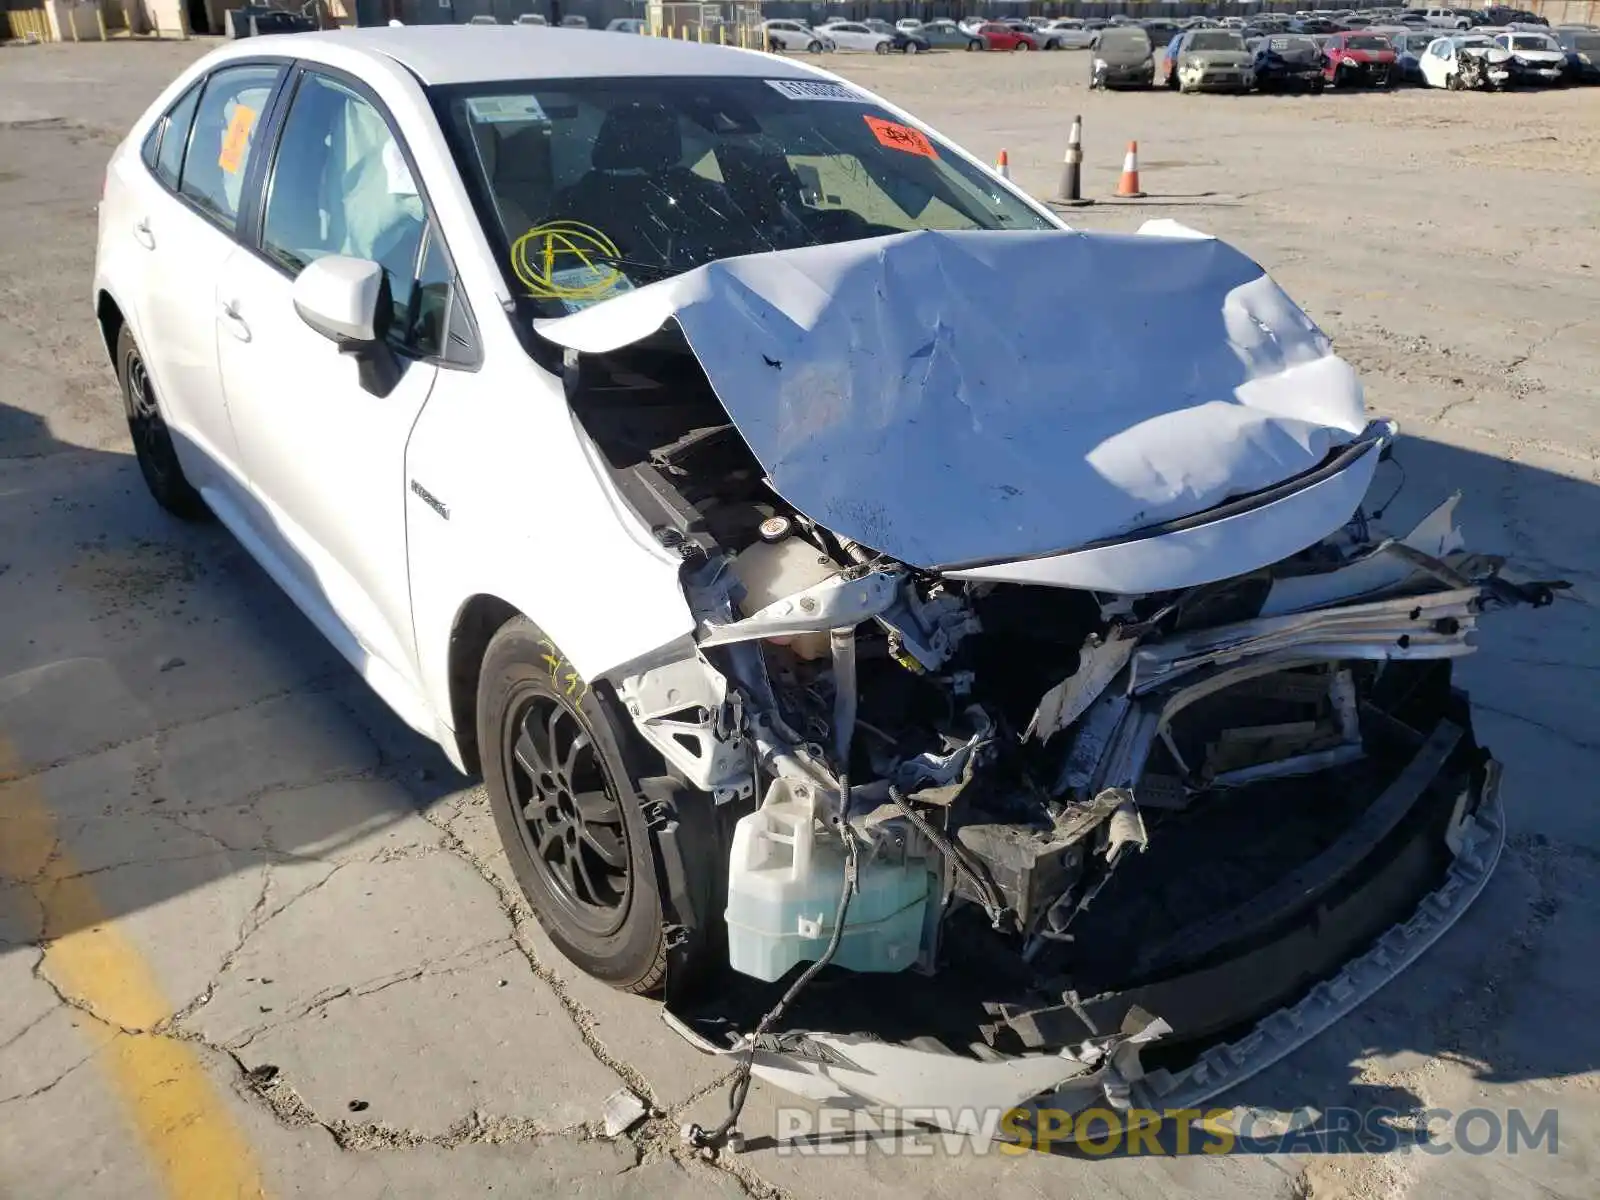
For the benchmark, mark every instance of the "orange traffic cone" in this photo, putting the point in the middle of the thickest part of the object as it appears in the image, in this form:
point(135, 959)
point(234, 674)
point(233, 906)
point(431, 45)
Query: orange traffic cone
point(1002, 165)
point(1128, 185)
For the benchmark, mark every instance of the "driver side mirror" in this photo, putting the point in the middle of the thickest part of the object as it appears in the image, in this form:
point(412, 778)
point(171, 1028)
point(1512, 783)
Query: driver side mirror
point(347, 301)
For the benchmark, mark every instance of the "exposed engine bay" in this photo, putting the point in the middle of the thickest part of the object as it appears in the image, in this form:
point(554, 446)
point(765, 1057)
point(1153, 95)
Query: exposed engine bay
point(1055, 833)
point(1075, 810)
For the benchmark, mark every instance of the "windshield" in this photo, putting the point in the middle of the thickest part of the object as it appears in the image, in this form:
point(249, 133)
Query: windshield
point(1132, 41)
point(1366, 42)
point(1588, 43)
point(1534, 41)
point(596, 186)
point(1216, 41)
point(1292, 45)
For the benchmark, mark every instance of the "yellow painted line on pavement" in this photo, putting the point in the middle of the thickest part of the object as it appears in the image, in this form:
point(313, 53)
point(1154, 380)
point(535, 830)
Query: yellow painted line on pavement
point(198, 1151)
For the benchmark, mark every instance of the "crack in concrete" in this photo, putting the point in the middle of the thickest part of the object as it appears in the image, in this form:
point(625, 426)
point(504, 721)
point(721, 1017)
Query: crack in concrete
point(317, 684)
point(1570, 738)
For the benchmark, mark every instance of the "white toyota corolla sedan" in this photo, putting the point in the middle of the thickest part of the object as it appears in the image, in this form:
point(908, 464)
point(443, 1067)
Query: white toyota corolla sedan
point(825, 556)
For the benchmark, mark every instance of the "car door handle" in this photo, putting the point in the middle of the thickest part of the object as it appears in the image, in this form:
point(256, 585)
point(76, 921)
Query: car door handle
point(235, 323)
point(142, 234)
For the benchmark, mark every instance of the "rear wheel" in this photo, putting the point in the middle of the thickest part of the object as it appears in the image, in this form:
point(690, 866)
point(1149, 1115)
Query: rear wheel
point(913, 48)
point(974, 45)
point(566, 801)
point(152, 440)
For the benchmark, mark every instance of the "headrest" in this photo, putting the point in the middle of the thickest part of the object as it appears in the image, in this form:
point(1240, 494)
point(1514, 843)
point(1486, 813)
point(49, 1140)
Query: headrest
point(638, 137)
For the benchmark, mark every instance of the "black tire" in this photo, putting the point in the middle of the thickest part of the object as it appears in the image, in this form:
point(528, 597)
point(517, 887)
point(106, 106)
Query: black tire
point(881, 48)
point(1022, 46)
point(1317, 87)
point(913, 48)
point(814, 47)
point(562, 771)
point(1172, 79)
point(974, 45)
point(152, 440)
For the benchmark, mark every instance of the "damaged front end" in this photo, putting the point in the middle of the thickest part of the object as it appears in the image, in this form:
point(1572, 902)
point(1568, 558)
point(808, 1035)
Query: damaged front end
point(1119, 822)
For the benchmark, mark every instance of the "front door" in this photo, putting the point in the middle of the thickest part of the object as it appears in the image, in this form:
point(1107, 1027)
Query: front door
point(326, 458)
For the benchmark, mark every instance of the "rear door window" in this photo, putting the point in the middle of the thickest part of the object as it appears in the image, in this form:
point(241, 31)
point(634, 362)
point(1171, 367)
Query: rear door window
point(225, 126)
point(163, 148)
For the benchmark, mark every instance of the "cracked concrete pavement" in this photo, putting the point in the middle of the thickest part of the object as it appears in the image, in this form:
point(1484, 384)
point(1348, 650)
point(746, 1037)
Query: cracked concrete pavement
point(320, 900)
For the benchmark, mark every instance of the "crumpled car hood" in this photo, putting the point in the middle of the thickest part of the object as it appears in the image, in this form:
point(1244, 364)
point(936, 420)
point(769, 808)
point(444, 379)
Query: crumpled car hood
point(951, 398)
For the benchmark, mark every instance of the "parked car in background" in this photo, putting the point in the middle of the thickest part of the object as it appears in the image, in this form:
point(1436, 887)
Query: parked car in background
point(855, 35)
point(1582, 46)
point(574, 21)
point(1314, 25)
point(1466, 60)
point(903, 41)
point(1500, 14)
point(1357, 60)
point(625, 25)
point(1122, 57)
point(945, 34)
point(1409, 48)
point(909, 24)
point(1449, 18)
point(1288, 62)
point(1003, 37)
point(1036, 32)
point(1159, 31)
point(1210, 60)
point(483, 19)
point(794, 35)
point(1070, 33)
point(1536, 58)
point(530, 19)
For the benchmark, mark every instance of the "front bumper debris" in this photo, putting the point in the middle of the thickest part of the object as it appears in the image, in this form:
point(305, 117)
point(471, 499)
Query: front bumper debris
point(852, 1069)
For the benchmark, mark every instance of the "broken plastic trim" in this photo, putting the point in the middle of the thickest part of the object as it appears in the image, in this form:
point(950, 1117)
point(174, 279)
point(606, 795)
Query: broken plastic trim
point(852, 1069)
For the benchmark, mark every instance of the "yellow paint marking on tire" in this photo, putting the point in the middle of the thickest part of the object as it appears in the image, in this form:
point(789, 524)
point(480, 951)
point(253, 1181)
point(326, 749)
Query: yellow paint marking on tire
point(198, 1151)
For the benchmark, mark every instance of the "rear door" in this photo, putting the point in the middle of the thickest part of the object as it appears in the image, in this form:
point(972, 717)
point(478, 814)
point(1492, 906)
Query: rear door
point(326, 458)
point(182, 216)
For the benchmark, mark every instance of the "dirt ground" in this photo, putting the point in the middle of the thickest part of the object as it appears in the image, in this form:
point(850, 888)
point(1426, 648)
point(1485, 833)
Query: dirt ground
point(227, 872)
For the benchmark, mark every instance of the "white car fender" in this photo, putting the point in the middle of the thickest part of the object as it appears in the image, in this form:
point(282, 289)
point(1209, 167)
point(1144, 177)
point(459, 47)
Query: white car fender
point(519, 509)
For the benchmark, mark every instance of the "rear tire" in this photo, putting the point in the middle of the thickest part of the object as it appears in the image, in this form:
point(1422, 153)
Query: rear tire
point(974, 46)
point(563, 781)
point(152, 440)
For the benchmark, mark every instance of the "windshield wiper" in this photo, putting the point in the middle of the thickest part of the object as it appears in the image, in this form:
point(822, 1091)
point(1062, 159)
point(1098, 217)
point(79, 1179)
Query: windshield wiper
point(659, 270)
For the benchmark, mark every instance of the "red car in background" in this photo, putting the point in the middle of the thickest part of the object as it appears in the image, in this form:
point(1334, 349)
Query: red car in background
point(1004, 37)
point(1358, 60)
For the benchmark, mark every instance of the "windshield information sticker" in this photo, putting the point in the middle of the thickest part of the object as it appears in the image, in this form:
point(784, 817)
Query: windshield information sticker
point(814, 89)
point(900, 137)
point(505, 110)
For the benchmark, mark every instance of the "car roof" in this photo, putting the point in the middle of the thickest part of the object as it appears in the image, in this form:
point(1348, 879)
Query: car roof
point(449, 54)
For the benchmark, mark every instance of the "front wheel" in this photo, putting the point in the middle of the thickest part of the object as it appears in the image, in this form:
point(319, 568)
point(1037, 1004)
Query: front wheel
point(881, 48)
point(152, 440)
point(974, 46)
point(913, 48)
point(814, 48)
point(1020, 46)
point(568, 809)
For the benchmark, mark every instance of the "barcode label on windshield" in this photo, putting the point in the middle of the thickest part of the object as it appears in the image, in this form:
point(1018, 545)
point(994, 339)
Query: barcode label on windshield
point(814, 89)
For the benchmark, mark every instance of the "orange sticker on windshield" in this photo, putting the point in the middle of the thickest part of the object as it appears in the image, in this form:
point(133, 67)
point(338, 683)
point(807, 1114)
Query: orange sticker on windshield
point(900, 137)
point(237, 139)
